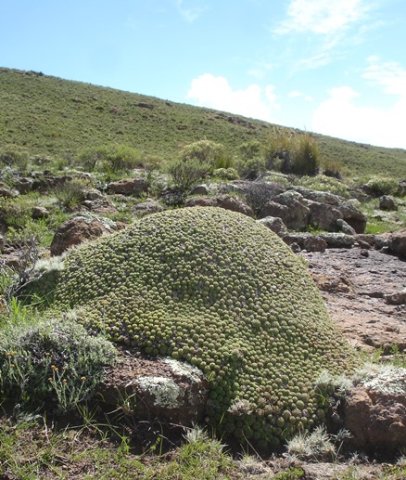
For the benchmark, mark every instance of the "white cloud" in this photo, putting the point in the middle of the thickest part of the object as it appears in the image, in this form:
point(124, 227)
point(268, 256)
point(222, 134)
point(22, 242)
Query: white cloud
point(299, 94)
point(190, 13)
point(340, 116)
point(324, 17)
point(253, 101)
point(389, 75)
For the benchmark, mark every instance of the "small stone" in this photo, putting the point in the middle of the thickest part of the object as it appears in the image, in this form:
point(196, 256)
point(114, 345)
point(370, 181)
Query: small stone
point(387, 202)
point(39, 212)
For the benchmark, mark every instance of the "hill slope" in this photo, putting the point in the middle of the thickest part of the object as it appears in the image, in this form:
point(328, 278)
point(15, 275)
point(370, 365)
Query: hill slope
point(54, 116)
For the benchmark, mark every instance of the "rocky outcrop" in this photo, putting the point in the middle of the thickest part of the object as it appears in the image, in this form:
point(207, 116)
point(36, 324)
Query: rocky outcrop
point(161, 388)
point(78, 230)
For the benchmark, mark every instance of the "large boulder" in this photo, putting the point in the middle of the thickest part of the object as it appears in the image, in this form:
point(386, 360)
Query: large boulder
point(222, 292)
point(290, 207)
point(352, 214)
point(324, 216)
point(78, 230)
point(375, 412)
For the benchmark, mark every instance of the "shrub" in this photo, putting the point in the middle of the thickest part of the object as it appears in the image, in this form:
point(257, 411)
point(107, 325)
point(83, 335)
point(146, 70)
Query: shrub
point(278, 150)
point(305, 156)
point(251, 168)
point(110, 158)
point(250, 149)
point(70, 194)
point(378, 186)
point(187, 172)
point(14, 156)
point(258, 194)
point(212, 154)
point(226, 173)
point(51, 362)
point(290, 153)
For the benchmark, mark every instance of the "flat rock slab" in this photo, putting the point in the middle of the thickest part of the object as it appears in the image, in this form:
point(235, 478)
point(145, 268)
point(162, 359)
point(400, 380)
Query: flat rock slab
point(356, 285)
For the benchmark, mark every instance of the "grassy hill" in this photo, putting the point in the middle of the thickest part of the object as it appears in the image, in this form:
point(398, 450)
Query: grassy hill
point(50, 115)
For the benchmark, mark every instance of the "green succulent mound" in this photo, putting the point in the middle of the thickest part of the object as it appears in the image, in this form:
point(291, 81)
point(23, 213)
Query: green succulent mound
point(222, 292)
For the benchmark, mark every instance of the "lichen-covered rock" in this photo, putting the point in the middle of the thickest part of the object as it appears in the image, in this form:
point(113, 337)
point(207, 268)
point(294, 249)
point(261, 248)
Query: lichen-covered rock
point(161, 388)
point(375, 412)
point(223, 293)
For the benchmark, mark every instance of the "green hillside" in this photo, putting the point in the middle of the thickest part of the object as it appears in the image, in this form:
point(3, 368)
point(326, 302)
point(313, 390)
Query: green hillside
point(50, 115)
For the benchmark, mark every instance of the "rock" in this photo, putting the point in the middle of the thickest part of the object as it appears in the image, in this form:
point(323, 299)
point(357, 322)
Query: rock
point(146, 208)
point(93, 194)
point(24, 184)
point(200, 190)
point(295, 247)
point(274, 209)
point(296, 237)
point(306, 241)
point(374, 241)
point(402, 188)
point(290, 208)
point(387, 202)
point(344, 227)
point(375, 412)
point(46, 181)
point(352, 214)
point(166, 389)
point(354, 288)
point(39, 212)
point(223, 201)
point(338, 240)
point(130, 186)
point(79, 229)
point(398, 298)
point(275, 224)
point(324, 216)
point(397, 244)
point(319, 196)
point(314, 244)
point(7, 192)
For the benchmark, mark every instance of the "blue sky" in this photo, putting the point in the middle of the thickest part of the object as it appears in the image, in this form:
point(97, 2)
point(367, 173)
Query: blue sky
point(332, 66)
